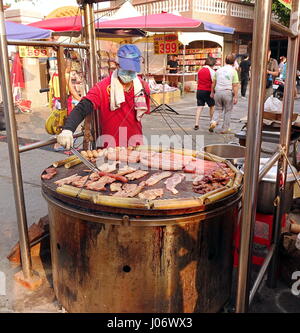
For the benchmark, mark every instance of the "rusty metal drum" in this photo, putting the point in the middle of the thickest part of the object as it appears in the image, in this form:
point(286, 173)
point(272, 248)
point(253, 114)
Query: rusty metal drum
point(112, 262)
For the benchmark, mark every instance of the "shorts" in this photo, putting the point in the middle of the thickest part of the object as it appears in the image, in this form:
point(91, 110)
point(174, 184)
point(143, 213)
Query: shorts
point(203, 96)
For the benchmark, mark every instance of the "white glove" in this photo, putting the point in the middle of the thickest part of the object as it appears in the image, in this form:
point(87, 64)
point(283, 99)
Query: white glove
point(65, 138)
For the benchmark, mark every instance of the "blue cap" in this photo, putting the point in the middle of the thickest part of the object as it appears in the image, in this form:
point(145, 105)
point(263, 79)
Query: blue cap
point(129, 58)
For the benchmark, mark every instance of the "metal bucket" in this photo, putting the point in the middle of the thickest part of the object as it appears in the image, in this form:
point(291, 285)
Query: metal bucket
point(114, 263)
point(231, 152)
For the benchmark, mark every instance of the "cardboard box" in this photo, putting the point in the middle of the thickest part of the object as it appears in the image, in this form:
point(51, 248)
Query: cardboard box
point(170, 97)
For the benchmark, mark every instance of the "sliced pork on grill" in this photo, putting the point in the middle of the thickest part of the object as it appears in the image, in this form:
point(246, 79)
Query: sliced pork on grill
point(50, 173)
point(99, 185)
point(108, 167)
point(130, 190)
point(165, 161)
point(172, 182)
point(115, 187)
point(137, 175)
point(156, 177)
point(125, 170)
point(81, 182)
point(216, 179)
point(202, 167)
point(67, 180)
point(151, 194)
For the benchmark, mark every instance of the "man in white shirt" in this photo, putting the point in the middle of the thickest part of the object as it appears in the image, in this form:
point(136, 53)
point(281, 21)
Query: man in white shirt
point(225, 92)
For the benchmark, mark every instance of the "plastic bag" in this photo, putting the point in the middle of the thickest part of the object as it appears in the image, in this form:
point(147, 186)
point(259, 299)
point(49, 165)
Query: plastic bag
point(273, 104)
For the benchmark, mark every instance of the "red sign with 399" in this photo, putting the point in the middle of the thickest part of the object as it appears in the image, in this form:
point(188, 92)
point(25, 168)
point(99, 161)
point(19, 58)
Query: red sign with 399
point(166, 44)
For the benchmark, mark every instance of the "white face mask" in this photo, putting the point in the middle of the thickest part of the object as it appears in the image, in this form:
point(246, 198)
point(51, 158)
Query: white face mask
point(126, 76)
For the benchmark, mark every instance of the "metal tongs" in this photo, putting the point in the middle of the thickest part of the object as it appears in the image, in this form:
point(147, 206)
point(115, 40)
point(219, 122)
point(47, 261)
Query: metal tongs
point(87, 163)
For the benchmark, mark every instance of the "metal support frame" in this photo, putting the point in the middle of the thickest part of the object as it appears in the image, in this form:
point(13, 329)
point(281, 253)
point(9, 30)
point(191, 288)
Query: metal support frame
point(285, 135)
point(252, 175)
point(91, 123)
point(12, 139)
point(61, 65)
point(14, 156)
point(261, 35)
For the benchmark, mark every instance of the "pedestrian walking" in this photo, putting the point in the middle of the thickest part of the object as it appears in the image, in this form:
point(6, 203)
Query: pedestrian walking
point(225, 92)
point(244, 68)
point(205, 79)
point(272, 73)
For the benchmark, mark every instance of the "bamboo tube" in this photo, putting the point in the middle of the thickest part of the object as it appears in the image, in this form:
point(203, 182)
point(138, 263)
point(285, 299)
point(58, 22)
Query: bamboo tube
point(106, 200)
point(75, 191)
point(174, 203)
point(219, 196)
point(185, 152)
point(214, 158)
point(238, 179)
point(72, 163)
point(62, 162)
point(206, 195)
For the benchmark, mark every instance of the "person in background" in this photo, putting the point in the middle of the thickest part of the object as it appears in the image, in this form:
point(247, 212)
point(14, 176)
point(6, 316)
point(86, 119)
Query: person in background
point(244, 68)
point(225, 92)
point(272, 73)
point(281, 64)
point(205, 80)
point(120, 101)
point(172, 67)
point(283, 77)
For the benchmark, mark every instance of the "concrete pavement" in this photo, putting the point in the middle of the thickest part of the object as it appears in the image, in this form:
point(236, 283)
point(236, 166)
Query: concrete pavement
point(31, 126)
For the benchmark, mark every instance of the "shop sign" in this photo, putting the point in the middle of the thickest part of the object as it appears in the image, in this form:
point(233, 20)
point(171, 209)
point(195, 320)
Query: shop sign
point(166, 44)
point(33, 52)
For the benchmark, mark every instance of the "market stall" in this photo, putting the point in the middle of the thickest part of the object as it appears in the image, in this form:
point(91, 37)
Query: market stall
point(150, 224)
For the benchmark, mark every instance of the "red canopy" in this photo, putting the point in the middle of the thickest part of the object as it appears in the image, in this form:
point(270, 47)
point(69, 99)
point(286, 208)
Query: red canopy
point(67, 23)
point(154, 22)
point(72, 25)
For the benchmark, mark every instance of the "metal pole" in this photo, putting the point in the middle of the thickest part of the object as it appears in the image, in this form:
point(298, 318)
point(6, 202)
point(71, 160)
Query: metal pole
point(44, 143)
point(90, 34)
point(262, 18)
point(183, 72)
point(46, 44)
point(261, 273)
point(285, 135)
point(14, 156)
point(61, 65)
point(268, 165)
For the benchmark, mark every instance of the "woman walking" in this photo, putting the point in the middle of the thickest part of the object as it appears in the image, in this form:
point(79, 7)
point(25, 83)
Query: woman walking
point(205, 80)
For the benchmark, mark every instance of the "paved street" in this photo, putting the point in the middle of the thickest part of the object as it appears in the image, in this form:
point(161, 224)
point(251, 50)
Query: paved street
point(31, 126)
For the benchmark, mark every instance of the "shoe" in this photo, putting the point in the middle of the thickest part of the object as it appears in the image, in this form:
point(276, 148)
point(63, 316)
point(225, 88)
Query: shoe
point(212, 125)
point(196, 127)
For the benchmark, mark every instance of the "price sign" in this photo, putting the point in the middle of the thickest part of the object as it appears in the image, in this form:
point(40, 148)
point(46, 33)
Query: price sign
point(33, 52)
point(166, 44)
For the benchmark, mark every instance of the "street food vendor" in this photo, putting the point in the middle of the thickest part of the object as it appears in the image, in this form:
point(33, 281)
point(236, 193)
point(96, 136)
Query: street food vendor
point(120, 101)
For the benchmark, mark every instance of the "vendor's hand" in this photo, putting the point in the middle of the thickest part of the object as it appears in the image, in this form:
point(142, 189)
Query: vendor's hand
point(65, 138)
point(212, 95)
point(235, 100)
